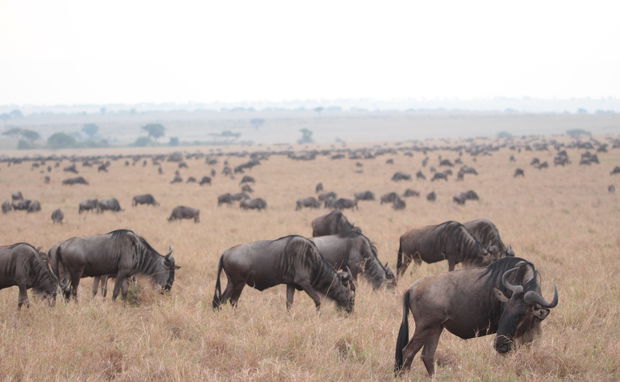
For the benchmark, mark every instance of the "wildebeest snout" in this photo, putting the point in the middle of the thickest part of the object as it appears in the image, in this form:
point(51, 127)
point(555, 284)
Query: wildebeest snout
point(503, 344)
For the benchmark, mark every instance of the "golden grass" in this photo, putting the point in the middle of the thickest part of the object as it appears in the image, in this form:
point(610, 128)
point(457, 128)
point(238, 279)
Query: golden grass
point(562, 219)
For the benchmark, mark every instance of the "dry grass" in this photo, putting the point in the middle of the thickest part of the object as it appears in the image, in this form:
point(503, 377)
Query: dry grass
point(562, 219)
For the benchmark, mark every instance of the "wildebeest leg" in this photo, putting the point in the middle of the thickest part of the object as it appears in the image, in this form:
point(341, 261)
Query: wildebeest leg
point(23, 296)
point(451, 265)
point(96, 281)
point(104, 285)
point(290, 293)
point(235, 293)
point(428, 353)
point(120, 278)
point(312, 293)
point(413, 347)
point(124, 287)
point(75, 283)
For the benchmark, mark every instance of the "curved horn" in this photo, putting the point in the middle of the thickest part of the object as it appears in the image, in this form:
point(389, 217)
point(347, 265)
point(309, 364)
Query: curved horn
point(532, 298)
point(513, 288)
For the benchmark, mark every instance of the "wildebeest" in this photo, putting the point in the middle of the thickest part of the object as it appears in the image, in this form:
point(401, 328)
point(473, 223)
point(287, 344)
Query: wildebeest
point(431, 196)
point(191, 179)
point(34, 206)
point(72, 168)
point(420, 175)
point(488, 235)
point(292, 260)
point(22, 205)
point(445, 241)
point(399, 204)
point(253, 204)
point(503, 298)
point(108, 205)
point(205, 180)
point(6, 207)
point(615, 171)
point(183, 212)
point(327, 195)
point(409, 193)
point(247, 179)
point(462, 197)
point(364, 195)
point(177, 179)
point(22, 265)
point(332, 223)
point(318, 188)
point(88, 205)
point(519, 172)
point(398, 176)
point(309, 202)
point(246, 188)
point(144, 199)
point(17, 196)
point(121, 253)
point(342, 203)
point(355, 252)
point(439, 176)
point(224, 199)
point(388, 198)
point(76, 180)
point(57, 216)
point(611, 188)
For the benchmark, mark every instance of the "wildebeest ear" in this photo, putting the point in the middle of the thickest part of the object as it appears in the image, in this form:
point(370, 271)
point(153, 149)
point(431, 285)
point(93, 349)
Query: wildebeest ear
point(540, 313)
point(500, 295)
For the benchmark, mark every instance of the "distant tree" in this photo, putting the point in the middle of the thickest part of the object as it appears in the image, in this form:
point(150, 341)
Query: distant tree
point(16, 113)
point(174, 141)
point(13, 132)
point(30, 135)
point(24, 134)
point(230, 134)
point(257, 122)
point(504, 134)
point(142, 141)
point(319, 109)
point(155, 130)
point(61, 140)
point(90, 129)
point(577, 132)
point(582, 111)
point(24, 145)
point(306, 136)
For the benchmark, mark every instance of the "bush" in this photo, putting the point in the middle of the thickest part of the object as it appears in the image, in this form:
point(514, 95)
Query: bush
point(142, 141)
point(61, 141)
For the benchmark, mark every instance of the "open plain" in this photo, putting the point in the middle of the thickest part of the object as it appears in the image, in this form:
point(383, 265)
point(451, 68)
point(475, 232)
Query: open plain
point(562, 218)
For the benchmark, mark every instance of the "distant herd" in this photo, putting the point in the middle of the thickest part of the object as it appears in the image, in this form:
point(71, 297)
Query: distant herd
point(495, 292)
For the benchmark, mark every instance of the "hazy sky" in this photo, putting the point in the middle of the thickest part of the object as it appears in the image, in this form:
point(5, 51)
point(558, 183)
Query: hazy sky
point(131, 51)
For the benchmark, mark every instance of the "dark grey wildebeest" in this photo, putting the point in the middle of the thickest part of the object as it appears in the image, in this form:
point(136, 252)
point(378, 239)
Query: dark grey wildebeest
point(88, 205)
point(6, 207)
point(108, 205)
point(364, 195)
point(309, 202)
point(184, 212)
point(446, 241)
point(253, 204)
point(121, 254)
point(291, 260)
point(57, 216)
point(342, 203)
point(76, 180)
point(354, 250)
point(503, 298)
point(22, 265)
point(147, 199)
point(488, 235)
point(519, 172)
point(388, 198)
point(332, 223)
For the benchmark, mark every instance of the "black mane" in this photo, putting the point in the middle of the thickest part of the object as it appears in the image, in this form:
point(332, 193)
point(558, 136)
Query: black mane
point(496, 270)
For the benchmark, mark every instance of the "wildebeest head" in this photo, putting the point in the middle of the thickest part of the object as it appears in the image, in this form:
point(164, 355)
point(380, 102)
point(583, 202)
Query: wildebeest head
point(171, 267)
point(524, 309)
point(46, 283)
point(390, 276)
point(347, 301)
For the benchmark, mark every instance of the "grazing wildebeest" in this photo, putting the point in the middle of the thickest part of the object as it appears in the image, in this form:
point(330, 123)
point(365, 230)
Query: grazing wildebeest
point(21, 205)
point(318, 188)
point(439, 176)
point(6, 207)
point(409, 192)
point(34, 206)
point(355, 252)
point(503, 298)
point(246, 188)
point(253, 204)
point(108, 205)
point(22, 265)
point(487, 234)
point(399, 204)
point(17, 196)
point(388, 198)
point(364, 195)
point(327, 195)
point(183, 212)
point(72, 168)
point(88, 205)
point(615, 171)
point(224, 199)
point(309, 202)
point(103, 167)
point(121, 254)
point(519, 172)
point(76, 180)
point(205, 180)
point(177, 179)
point(144, 199)
point(239, 196)
point(611, 188)
point(446, 241)
point(57, 216)
point(291, 260)
point(191, 179)
point(332, 223)
point(342, 203)
point(420, 175)
point(431, 196)
point(462, 197)
point(398, 176)
point(247, 179)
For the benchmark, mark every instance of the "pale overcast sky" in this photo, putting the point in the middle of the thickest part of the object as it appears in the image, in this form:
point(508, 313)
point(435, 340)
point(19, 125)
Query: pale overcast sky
point(132, 51)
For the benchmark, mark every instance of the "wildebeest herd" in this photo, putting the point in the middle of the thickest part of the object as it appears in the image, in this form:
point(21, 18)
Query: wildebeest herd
point(505, 289)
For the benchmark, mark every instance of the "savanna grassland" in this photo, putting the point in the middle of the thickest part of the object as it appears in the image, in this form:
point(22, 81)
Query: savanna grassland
point(562, 219)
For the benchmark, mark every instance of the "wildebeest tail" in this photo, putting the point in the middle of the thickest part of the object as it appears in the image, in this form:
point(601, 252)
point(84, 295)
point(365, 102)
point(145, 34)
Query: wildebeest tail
point(217, 295)
point(399, 258)
point(60, 271)
point(403, 334)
